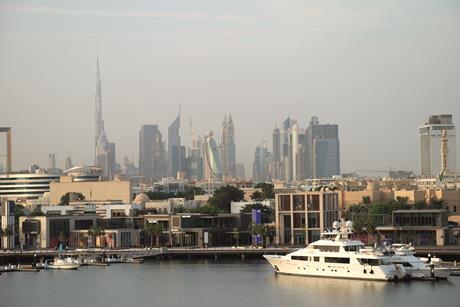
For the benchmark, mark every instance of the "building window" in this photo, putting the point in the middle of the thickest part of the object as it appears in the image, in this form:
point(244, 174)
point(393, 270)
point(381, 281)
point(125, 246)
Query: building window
point(299, 220)
point(298, 202)
point(313, 202)
point(284, 202)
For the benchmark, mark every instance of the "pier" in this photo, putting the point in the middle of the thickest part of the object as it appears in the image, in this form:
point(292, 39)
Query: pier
point(163, 253)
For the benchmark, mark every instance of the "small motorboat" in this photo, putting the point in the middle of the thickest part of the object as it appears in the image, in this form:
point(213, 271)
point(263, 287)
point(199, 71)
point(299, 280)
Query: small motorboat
point(62, 264)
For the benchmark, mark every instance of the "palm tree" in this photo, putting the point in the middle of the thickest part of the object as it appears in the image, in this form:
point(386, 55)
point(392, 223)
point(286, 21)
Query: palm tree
point(236, 235)
point(6, 232)
point(95, 232)
point(2, 234)
point(258, 230)
point(154, 230)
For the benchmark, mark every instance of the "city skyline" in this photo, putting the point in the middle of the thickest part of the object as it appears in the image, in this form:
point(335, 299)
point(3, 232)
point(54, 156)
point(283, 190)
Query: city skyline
point(374, 83)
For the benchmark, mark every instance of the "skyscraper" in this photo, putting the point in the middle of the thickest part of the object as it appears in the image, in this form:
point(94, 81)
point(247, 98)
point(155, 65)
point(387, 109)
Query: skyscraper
point(228, 148)
point(262, 164)
point(176, 152)
point(151, 153)
point(430, 145)
point(195, 157)
point(68, 163)
point(104, 151)
point(323, 150)
point(52, 160)
point(212, 164)
point(277, 165)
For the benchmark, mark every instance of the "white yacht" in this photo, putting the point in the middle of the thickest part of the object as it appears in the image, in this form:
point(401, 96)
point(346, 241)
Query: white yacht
point(338, 256)
point(416, 267)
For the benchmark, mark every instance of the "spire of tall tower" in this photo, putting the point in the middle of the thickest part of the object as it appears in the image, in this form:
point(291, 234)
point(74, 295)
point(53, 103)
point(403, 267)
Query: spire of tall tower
point(99, 123)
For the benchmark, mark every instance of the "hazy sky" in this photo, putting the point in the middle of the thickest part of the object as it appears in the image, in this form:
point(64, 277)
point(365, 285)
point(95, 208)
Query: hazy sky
point(376, 68)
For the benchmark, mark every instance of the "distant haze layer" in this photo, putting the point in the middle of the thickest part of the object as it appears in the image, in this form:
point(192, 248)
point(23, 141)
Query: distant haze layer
point(377, 69)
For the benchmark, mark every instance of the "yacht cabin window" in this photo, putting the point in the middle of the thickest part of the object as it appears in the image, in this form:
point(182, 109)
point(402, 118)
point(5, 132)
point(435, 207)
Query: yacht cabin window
point(352, 248)
point(327, 248)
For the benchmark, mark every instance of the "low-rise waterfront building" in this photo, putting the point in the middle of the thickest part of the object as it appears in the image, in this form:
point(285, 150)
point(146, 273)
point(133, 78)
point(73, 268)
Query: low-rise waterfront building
point(72, 231)
point(418, 227)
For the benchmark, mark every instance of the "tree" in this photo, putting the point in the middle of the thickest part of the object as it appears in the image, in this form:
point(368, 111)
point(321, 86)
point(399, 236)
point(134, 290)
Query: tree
point(154, 230)
point(403, 202)
point(223, 197)
point(236, 235)
point(179, 209)
point(190, 192)
point(268, 214)
point(267, 189)
point(257, 196)
point(95, 231)
point(366, 200)
point(67, 197)
point(436, 203)
point(159, 195)
point(37, 212)
point(419, 205)
point(2, 233)
point(6, 232)
point(258, 230)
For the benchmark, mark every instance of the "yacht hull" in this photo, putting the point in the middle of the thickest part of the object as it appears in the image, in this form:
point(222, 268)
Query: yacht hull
point(281, 265)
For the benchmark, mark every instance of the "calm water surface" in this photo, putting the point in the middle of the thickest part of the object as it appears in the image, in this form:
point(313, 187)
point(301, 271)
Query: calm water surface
point(211, 283)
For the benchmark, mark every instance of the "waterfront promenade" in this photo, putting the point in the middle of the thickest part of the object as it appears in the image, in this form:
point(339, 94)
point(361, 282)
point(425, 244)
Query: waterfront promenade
point(182, 252)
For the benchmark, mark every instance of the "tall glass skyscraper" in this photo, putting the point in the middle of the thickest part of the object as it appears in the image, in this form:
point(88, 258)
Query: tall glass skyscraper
point(213, 164)
point(104, 151)
point(176, 152)
point(228, 148)
point(151, 153)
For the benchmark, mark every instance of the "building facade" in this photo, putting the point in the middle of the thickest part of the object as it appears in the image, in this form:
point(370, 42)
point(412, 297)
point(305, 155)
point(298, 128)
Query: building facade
point(323, 150)
point(301, 217)
point(418, 227)
point(228, 149)
point(104, 150)
point(430, 145)
point(23, 186)
point(92, 191)
point(212, 164)
point(261, 168)
point(152, 153)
